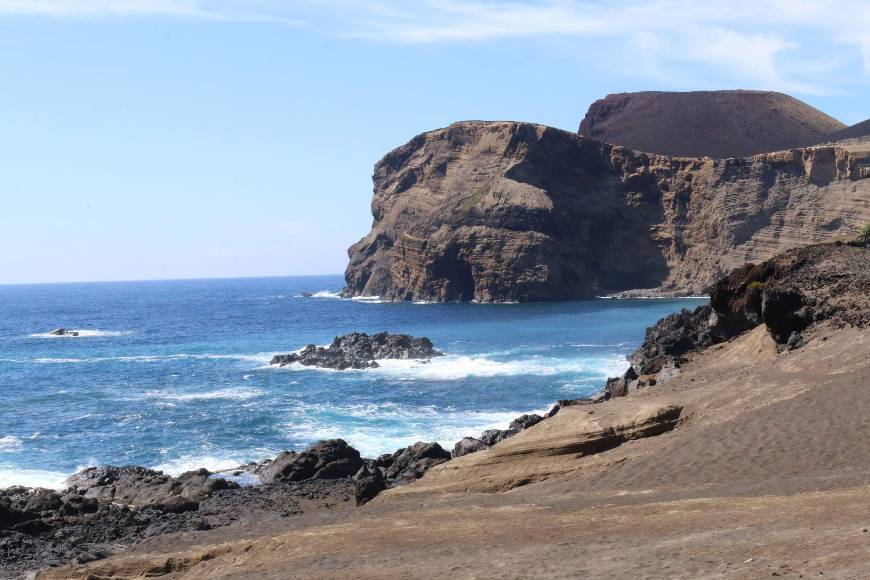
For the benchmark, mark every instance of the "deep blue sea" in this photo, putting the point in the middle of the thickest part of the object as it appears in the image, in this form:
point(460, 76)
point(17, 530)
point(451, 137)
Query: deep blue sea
point(175, 375)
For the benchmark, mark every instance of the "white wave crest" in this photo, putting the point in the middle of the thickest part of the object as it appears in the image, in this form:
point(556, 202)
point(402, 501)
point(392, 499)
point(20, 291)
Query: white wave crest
point(242, 394)
point(451, 368)
point(372, 299)
point(9, 443)
point(184, 463)
point(82, 333)
point(375, 429)
point(326, 294)
point(12, 475)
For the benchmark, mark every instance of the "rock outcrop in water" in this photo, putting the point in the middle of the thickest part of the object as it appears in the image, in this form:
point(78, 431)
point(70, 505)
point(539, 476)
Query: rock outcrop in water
point(63, 332)
point(358, 350)
point(504, 211)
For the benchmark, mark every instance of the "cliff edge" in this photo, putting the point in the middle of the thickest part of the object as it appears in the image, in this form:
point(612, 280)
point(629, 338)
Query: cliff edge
point(507, 211)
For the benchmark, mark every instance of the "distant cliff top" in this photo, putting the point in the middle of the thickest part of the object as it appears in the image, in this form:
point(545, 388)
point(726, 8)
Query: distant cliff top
point(719, 124)
point(856, 131)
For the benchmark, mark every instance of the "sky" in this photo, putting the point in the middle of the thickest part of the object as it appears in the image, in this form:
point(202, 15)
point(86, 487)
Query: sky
point(158, 139)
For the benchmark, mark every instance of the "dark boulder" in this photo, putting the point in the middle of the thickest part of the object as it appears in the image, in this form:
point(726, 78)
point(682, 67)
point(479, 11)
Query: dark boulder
point(468, 445)
point(330, 459)
point(368, 483)
point(403, 466)
point(524, 422)
point(413, 461)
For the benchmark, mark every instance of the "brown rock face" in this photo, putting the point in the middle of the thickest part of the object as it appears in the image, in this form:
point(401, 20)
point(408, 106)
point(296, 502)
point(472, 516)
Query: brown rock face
point(719, 124)
point(504, 211)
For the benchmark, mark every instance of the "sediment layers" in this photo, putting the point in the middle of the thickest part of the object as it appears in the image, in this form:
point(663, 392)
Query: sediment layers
point(506, 211)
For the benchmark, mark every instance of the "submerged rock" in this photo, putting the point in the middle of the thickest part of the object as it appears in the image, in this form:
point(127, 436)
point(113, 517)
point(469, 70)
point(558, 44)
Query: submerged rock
point(63, 332)
point(358, 350)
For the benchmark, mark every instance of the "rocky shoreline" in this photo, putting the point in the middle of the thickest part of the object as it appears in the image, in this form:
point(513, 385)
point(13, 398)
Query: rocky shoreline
point(103, 510)
point(106, 509)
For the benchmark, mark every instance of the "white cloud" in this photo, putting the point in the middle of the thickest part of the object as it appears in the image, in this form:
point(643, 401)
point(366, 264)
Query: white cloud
point(792, 45)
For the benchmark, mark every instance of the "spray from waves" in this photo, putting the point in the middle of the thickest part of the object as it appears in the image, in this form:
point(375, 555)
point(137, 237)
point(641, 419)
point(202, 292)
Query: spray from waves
point(82, 333)
point(338, 296)
point(9, 443)
point(375, 429)
point(213, 463)
point(11, 475)
point(453, 368)
point(325, 294)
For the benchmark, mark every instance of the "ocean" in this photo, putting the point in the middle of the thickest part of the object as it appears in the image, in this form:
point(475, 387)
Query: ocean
point(174, 374)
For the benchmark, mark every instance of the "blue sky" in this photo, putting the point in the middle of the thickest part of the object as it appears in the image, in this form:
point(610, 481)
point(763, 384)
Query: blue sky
point(180, 139)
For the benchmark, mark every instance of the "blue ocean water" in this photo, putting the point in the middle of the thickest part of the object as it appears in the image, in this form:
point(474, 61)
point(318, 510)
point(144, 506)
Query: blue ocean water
point(175, 375)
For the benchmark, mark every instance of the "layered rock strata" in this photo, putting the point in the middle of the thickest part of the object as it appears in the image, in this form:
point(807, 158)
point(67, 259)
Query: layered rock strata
point(504, 211)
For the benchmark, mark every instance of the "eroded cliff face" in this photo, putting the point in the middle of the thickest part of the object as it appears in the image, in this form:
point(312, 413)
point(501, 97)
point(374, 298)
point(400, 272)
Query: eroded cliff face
point(505, 211)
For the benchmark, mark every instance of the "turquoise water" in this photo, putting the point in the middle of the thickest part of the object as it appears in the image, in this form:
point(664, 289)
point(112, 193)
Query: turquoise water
point(175, 374)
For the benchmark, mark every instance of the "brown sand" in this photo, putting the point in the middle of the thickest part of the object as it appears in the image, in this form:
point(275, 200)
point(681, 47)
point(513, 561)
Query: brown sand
point(766, 474)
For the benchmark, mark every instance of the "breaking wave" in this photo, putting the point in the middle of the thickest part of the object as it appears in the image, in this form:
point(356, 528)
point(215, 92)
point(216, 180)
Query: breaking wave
point(377, 428)
point(453, 368)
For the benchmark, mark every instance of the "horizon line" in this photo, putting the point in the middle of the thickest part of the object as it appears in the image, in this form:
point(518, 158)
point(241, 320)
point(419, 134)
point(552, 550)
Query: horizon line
point(195, 279)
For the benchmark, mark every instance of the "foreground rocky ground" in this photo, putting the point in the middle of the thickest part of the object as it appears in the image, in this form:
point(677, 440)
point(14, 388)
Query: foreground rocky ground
point(750, 459)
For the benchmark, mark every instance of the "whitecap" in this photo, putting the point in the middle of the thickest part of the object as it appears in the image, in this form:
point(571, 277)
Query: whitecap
point(9, 443)
point(12, 475)
point(213, 463)
point(324, 294)
point(375, 429)
point(241, 394)
point(371, 299)
point(451, 368)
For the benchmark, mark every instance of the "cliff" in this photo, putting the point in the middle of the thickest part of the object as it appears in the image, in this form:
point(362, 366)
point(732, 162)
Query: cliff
point(506, 211)
point(718, 124)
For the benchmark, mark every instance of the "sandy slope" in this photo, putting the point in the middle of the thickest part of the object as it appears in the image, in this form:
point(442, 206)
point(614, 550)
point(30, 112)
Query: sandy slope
point(767, 473)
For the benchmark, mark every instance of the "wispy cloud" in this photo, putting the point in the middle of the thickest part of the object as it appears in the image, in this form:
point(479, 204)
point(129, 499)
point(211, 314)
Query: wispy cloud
point(92, 8)
point(793, 45)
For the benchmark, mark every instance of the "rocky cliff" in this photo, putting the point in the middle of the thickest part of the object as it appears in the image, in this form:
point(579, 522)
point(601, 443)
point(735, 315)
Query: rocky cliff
point(505, 211)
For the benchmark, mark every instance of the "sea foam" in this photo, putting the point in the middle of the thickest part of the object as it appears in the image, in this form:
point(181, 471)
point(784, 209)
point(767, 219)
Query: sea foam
point(378, 428)
point(9, 443)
